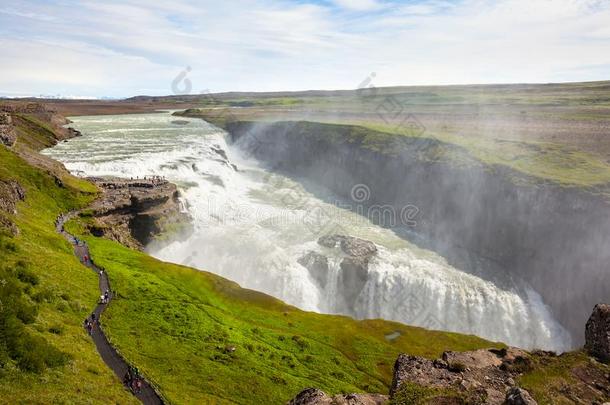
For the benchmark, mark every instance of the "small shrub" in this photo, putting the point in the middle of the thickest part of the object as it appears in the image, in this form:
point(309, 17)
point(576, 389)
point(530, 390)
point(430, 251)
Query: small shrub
point(34, 354)
point(26, 313)
point(93, 371)
point(9, 246)
point(56, 330)
point(519, 365)
point(278, 380)
point(302, 343)
point(27, 276)
point(86, 214)
point(45, 295)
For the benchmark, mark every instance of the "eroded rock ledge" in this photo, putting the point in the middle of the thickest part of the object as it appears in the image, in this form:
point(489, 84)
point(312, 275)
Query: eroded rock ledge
point(313, 396)
point(491, 376)
point(11, 192)
point(134, 212)
point(8, 136)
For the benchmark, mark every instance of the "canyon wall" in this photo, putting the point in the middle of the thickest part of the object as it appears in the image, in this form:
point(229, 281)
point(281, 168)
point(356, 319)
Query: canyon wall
point(555, 238)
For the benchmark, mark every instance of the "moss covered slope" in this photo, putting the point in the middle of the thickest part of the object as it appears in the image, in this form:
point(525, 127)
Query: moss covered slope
point(181, 326)
point(45, 355)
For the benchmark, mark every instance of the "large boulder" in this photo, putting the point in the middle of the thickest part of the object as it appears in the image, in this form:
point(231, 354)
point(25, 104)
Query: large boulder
point(355, 256)
point(314, 396)
point(519, 396)
point(310, 396)
point(597, 333)
point(354, 267)
point(351, 246)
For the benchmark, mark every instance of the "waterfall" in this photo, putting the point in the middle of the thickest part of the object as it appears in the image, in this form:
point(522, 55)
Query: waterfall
point(252, 226)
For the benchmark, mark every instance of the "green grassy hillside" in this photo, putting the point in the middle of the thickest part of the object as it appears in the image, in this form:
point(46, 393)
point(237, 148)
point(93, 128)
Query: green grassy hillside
point(199, 337)
point(177, 324)
point(278, 349)
point(45, 355)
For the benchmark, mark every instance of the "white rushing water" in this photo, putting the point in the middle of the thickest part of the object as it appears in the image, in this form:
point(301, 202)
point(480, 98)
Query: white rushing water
point(252, 226)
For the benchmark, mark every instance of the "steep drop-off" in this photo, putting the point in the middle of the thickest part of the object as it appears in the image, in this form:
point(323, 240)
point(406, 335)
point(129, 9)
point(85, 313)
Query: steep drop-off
point(553, 237)
point(135, 212)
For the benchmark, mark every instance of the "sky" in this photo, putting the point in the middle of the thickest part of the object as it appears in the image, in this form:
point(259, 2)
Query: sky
point(141, 47)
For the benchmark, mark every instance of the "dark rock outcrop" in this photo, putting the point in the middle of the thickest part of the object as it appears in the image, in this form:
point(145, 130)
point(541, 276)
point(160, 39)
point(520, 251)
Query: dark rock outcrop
point(26, 118)
point(8, 136)
point(133, 212)
point(11, 192)
point(350, 245)
point(480, 375)
point(553, 237)
point(597, 333)
point(310, 396)
point(486, 376)
point(313, 396)
point(519, 396)
point(317, 265)
point(353, 267)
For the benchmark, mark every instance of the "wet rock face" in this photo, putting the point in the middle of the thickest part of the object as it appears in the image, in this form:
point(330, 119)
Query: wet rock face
point(317, 265)
point(597, 333)
point(354, 267)
point(350, 245)
point(313, 396)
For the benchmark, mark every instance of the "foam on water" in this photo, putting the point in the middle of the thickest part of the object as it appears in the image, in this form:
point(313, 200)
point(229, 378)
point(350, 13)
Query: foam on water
point(252, 226)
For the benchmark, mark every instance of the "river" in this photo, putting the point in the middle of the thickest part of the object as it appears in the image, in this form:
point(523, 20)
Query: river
point(252, 225)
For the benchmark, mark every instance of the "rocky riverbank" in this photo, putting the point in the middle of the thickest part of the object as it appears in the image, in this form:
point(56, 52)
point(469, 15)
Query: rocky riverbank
point(133, 212)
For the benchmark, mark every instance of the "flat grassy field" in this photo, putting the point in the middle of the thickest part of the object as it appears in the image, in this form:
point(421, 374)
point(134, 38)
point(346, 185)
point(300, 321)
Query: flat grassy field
point(555, 132)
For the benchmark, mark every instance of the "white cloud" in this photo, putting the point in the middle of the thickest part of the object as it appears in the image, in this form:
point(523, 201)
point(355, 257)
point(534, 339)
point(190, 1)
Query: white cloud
point(130, 47)
point(24, 14)
point(359, 5)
